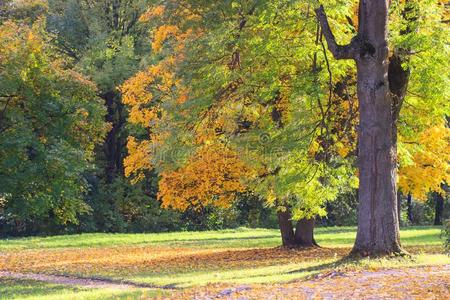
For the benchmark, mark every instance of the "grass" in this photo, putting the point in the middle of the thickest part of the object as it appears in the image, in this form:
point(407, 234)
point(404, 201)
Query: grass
point(30, 289)
point(230, 238)
point(189, 259)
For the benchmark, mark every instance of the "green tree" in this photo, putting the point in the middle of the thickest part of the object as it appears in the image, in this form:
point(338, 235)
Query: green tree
point(50, 123)
point(234, 74)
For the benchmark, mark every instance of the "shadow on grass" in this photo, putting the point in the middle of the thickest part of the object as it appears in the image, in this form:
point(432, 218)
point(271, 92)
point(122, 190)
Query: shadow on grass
point(199, 241)
point(13, 288)
point(326, 266)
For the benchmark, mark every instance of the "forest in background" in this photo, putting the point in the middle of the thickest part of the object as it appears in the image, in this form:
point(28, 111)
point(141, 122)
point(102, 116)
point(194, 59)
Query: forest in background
point(90, 88)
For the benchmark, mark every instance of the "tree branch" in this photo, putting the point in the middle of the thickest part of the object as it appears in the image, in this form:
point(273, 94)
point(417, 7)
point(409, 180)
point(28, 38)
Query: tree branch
point(339, 52)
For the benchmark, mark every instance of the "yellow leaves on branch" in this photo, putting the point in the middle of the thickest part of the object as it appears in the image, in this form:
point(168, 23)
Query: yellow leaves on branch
point(139, 92)
point(161, 34)
point(430, 164)
point(138, 159)
point(211, 177)
point(152, 12)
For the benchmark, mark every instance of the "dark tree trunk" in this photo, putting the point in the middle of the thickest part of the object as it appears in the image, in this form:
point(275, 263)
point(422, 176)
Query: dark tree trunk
point(439, 208)
point(113, 144)
point(378, 224)
point(409, 205)
point(303, 235)
point(286, 228)
point(399, 207)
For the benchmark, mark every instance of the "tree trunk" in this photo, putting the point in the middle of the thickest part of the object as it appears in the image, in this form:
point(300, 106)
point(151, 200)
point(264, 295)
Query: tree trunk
point(114, 144)
point(409, 204)
point(378, 226)
point(399, 207)
point(439, 208)
point(303, 235)
point(286, 229)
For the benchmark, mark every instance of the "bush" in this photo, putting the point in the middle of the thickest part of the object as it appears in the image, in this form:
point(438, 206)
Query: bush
point(123, 207)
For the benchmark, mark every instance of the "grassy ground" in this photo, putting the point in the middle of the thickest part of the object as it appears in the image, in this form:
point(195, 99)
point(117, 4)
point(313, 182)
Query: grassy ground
point(235, 238)
point(29, 289)
point(189, 259)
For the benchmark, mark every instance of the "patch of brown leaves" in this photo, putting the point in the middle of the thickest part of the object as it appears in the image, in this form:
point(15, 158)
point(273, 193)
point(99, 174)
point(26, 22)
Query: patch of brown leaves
point(129, 260)
point(408, 283)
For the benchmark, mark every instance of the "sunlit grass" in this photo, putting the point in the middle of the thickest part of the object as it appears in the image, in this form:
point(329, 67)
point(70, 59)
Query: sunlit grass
point(232, 238)
point(189, 259)
point(30, 289)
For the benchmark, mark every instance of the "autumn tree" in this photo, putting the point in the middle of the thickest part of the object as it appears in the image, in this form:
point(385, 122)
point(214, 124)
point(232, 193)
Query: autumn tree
point(383, 75)
point(50, 123)
point(225, 97)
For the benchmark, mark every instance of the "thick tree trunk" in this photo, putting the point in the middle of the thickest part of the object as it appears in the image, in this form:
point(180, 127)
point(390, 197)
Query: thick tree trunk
point(303, 235)
point(378, 226)
point(286, 229)
point(439, 208)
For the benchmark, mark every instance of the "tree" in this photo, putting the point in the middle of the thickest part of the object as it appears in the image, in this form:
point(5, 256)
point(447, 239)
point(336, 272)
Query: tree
point(50, 123)
point(106, 43)
point(382, 80)
point(185, 103)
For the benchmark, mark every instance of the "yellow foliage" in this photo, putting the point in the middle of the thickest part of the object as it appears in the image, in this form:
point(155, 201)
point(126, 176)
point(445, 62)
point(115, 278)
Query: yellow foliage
point(154, 11)
point(161, 34)
point(211, 177)
point(138, 159)
point(430, 166)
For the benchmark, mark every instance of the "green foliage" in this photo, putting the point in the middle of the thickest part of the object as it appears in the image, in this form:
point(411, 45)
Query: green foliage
point(342, 212)
point(50, 122)
point(123, 207)
point(257, 81)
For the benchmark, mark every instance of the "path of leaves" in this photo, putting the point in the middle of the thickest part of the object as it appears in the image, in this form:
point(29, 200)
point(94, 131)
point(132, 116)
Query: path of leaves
point(129, 260)
point(409, 283)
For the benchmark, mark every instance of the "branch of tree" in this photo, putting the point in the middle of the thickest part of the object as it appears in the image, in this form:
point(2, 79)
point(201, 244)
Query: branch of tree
point(339, 52)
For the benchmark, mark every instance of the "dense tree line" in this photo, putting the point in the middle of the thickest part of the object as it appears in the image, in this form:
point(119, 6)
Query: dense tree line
point(163, 115)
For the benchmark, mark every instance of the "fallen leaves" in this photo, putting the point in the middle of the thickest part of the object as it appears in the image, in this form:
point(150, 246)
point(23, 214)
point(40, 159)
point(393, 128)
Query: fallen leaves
point(129, 260)
point(408, 283)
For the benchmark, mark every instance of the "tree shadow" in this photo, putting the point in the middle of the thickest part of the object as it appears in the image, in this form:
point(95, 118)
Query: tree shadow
point(326, 266)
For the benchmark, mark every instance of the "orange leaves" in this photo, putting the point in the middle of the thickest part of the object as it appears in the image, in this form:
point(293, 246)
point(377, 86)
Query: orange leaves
point(135, 90)
point(211, 177)
point(138, 159)
point(142, 116)
point(161, 34)
point(429, 167)
point(152, 12)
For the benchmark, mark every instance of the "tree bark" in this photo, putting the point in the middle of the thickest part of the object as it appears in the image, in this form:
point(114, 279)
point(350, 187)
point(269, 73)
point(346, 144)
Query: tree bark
point(378, 224)
point(286, 229)
point(302, 237)
point(304, 233)
point(409, 204)
point(114, 144)
point(399, 207)
point(439, 208)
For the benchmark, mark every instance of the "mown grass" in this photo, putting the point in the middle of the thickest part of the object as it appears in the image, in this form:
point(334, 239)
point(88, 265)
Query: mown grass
point(30, 289)
point(189, 259)
point(231, 238)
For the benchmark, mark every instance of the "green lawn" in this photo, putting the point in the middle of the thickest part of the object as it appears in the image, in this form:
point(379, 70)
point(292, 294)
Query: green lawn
point(190, 259)
point(29, 289)
point(231, 238)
